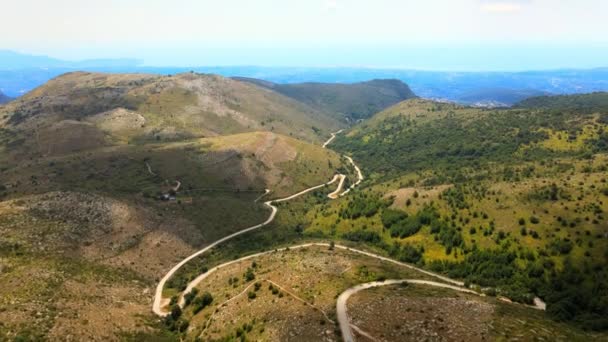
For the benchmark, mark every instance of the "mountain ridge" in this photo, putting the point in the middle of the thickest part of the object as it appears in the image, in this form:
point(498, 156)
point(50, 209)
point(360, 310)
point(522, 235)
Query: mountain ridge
point(132, 108)
point(351, 101)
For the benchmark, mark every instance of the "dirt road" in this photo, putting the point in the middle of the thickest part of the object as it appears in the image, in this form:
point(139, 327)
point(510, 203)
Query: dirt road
point(341, 309)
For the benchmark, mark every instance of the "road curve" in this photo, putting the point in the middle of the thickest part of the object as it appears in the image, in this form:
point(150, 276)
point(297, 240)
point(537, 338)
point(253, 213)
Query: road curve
point(158, 295)
point(195, 282)
point(341, 309)
point(333, 136)
point(157, 306)
point(359, 176)
point(336, 193)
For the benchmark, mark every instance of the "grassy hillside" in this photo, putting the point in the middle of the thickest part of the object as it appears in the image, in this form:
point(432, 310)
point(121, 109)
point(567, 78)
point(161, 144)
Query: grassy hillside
point(583, 102)
point(88, 110)
point(90, 224)
point(419, 134)
point(84, 161)
point(509, 198)
point(291, 295)
point(347, 101)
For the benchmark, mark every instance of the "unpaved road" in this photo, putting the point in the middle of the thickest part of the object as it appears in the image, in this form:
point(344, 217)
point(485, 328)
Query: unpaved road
point(336, 192)
point(333, 136)
point(203, 276)
point(157, 307)
point(341, 309)
point(359, 176)
point(343, 320)
point(160, 302)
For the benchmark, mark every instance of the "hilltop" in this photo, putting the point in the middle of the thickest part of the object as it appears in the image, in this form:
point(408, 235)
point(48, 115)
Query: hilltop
point(107, 179)
point(348, 101)
point(418, 134)
point(109, 109)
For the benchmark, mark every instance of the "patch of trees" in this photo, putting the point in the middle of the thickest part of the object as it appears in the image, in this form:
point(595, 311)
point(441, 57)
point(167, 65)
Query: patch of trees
point(406, 253)
point(401, 225)
point(455, 198)
point(493, 268)
point(560, 246)
point(364, 205)
point(363, 236)
point(573, 296)
point(549, 193)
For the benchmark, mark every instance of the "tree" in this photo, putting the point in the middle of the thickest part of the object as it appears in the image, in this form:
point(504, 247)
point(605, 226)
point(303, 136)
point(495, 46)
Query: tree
point(249, 275)
point(176, 312)
point(202, 302)
point(189, 297)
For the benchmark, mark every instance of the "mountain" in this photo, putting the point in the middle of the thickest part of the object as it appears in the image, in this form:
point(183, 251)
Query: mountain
point(351, 101)
point(10, 60)
point(498, 97)
point(20, 73)
point(594, 102)
point(85, 163)
point(107, 181)
point(90, 110)
point(509, 198)
point(4, 98)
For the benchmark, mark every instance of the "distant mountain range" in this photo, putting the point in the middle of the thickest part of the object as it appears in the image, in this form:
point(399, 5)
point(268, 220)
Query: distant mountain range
point(4, 98)
point(20, 73)
point(498, 97)
point(10, 60)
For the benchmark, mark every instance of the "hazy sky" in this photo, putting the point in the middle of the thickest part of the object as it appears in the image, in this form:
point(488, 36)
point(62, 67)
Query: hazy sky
point(423, 34)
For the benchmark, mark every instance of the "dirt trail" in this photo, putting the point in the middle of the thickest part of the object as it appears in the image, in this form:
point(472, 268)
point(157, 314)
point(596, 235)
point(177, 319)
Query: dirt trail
point(343, 320)
point(336, 192)
point(341, 309)
point(194, 283)
point(333, 136)
point(158, 296)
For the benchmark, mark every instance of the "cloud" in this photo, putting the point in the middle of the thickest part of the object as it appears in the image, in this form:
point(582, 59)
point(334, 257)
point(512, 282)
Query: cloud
point(506, 6)
point(331, 5)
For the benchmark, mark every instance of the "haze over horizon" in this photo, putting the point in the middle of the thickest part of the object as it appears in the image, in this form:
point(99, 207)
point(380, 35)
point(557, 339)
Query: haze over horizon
point(466, 35)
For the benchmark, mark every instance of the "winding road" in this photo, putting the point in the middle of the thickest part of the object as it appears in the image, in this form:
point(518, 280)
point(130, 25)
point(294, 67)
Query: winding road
point(195, 282)
point(343, 320)
point(158, 296)
point(160, 302)
point(346, 327)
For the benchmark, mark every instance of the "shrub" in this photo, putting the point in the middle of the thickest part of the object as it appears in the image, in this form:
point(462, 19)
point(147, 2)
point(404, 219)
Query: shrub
point(202, 302)
point(249, 275)
point(189, 297)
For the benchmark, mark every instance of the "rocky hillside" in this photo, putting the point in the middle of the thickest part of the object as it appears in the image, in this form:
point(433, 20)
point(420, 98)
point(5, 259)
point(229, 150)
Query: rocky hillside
point(347, 101)
point(107, 180)
point(88, 110)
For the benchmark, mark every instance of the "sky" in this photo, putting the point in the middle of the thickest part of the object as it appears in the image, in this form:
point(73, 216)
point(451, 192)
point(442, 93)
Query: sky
point(413, 34)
